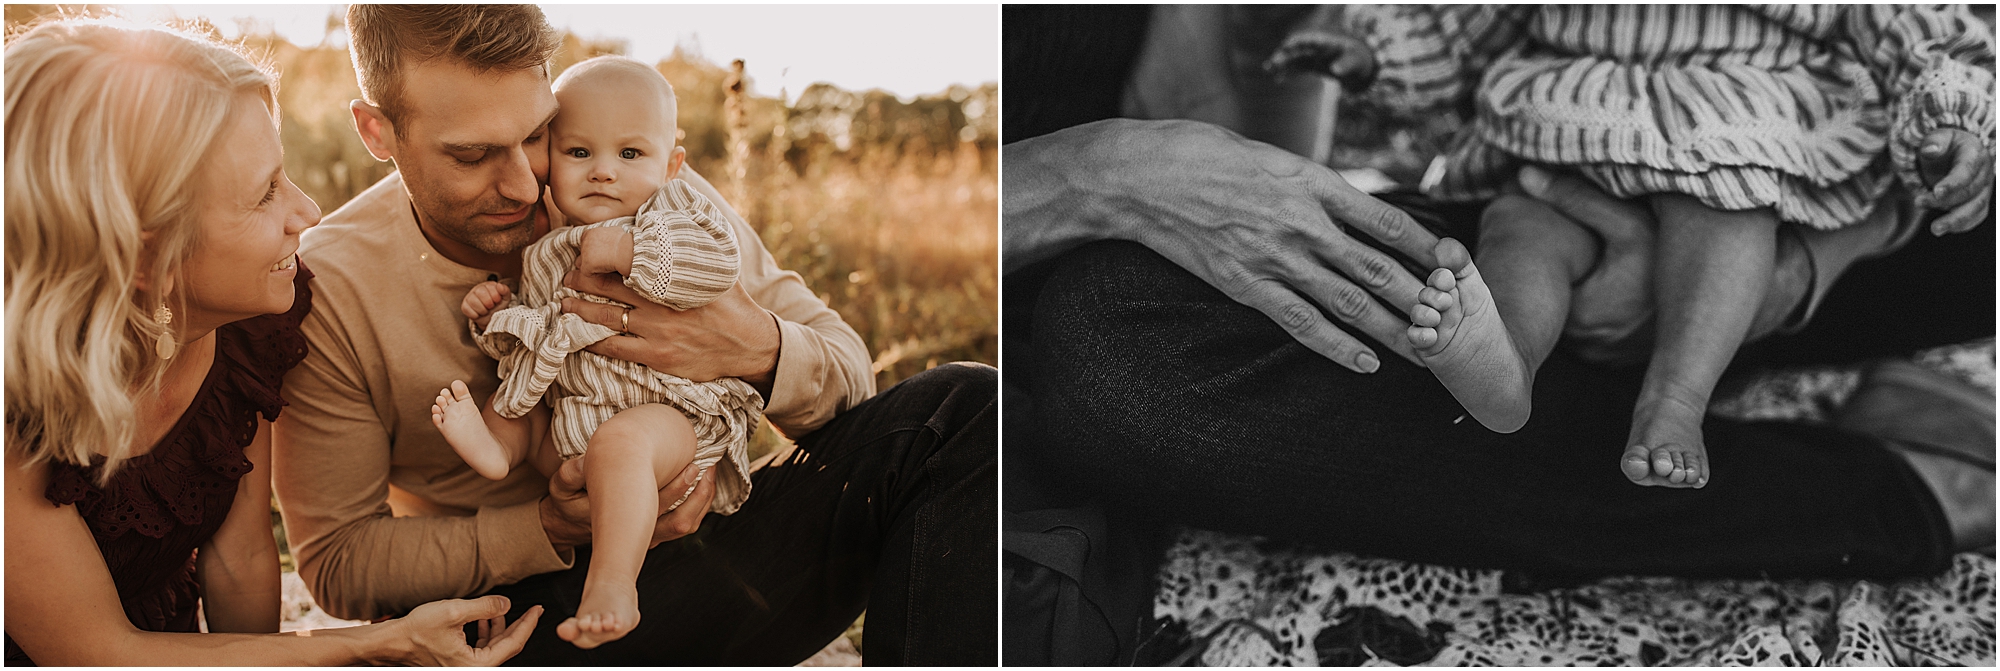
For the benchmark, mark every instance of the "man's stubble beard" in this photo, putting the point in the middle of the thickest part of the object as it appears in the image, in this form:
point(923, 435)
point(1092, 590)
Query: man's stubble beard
point(508, 240)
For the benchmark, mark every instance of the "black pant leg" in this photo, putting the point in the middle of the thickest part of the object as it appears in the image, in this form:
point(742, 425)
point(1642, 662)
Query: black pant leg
point(1163, 396)
point(890, 507)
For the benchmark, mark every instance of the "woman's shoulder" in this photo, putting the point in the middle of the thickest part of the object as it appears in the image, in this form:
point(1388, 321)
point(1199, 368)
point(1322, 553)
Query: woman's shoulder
point(260, 350)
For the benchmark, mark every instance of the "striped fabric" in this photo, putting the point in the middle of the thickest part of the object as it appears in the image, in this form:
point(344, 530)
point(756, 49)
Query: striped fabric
point(684, 256)
point(1788, 107)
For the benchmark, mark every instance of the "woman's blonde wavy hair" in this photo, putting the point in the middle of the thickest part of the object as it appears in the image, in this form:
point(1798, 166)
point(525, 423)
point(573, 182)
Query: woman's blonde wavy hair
point(108, 126)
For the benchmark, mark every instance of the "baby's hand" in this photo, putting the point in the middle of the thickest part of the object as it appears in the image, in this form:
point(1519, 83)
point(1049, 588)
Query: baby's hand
point(604, 251)
point(1327, 52)
point(1958, 168)
point(481, 301)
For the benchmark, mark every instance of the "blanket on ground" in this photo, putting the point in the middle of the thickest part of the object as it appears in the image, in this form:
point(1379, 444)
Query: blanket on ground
point(1246, 603)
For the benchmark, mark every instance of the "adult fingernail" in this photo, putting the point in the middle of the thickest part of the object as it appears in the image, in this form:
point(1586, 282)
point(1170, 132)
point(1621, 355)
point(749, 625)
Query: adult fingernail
point(1534, 180)
point(1367, 362)
point(1934, 148)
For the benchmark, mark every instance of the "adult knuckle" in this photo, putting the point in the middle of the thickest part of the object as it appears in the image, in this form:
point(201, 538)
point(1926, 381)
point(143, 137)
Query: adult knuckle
point(1296, 316)
point(1350, 302)
point(1387, 223)
point(1374, 270)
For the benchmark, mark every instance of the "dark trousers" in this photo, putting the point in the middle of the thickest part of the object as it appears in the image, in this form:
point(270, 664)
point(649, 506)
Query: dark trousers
point(890, 507)
point(1160, 397)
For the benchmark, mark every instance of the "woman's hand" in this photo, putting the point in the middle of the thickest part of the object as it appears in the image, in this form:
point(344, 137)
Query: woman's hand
point(436, 632)
point(1959, 170)
point(1267, 227)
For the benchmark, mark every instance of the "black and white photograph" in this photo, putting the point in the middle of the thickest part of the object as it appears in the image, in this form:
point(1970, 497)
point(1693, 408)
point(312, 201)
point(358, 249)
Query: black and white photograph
point(1498, 335)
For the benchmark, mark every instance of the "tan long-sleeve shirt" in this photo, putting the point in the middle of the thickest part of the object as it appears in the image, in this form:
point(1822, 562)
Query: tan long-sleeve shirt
point(385, 335)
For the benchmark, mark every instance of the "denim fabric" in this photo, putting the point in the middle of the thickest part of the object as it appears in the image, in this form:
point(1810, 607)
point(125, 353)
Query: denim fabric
point(890, 507)
point(1159, 396)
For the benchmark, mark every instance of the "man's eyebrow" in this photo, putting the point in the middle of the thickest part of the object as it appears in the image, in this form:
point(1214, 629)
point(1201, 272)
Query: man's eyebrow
point(489, 146)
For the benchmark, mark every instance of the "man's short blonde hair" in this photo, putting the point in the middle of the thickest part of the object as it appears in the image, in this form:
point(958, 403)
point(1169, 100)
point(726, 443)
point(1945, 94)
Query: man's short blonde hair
point(384, 39)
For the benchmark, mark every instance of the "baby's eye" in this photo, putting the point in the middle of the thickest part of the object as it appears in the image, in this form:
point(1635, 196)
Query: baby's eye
point(628, 153)
point(578, 152)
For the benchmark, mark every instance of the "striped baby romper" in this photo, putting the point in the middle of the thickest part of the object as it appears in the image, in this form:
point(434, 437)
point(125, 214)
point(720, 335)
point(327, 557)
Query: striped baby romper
point(684, 255)
point(1788, 107)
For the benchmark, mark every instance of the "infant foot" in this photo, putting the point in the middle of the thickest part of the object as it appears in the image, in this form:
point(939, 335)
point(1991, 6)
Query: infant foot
point(1666, 451)
point(1457, 332)
point(457, 417)
point(607, 613)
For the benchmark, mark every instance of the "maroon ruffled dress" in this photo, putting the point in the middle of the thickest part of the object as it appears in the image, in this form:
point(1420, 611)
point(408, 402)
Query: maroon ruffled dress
point(163, 504)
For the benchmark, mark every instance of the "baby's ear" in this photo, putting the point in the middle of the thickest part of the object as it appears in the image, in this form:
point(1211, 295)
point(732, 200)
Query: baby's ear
point(675, 160)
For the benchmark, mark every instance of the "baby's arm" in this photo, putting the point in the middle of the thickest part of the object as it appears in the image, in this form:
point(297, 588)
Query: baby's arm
point(1935, 64)
point(683, 253)
point(482, 300)
point(1421, 58)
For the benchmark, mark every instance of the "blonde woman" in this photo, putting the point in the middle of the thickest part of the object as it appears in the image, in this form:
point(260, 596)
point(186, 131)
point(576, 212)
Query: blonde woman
point(153, 298)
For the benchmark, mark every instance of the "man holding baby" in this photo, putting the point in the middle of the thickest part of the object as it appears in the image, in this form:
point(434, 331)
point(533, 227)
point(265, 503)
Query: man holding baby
point(886, 503)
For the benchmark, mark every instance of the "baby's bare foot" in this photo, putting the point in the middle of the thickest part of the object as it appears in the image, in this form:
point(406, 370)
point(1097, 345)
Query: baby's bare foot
point(1456, 331)
point(608, 612)
point(457, 417)
point(1666, 449)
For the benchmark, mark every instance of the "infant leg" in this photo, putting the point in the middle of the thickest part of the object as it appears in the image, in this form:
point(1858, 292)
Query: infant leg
point(1529, 256)
point(488, 442)
point(1713, 270)
point(629, 457)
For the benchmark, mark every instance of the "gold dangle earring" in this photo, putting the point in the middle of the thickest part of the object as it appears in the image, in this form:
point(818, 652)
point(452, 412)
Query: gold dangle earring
point(165, 318)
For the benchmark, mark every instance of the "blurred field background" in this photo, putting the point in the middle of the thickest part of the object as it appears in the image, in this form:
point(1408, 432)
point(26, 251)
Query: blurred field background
point(889, 207)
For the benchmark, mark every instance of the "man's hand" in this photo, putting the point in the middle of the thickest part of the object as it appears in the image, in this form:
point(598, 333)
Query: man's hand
point(731, 337)
point(566, 510)
point(1958, 168)
point(1611, 312)
point(1265, 226)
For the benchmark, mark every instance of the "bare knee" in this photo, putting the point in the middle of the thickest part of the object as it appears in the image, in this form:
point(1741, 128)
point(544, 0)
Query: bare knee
point(641, 430)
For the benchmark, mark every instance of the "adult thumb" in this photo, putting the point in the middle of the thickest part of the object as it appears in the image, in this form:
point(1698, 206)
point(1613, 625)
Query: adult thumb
point(482, 608)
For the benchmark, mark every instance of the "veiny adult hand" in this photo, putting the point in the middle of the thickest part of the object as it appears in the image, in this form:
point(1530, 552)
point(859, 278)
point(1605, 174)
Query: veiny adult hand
point(730, 337)
point(566, 510)
point(436, 632)
point(1959, 170)
point(1267, 227)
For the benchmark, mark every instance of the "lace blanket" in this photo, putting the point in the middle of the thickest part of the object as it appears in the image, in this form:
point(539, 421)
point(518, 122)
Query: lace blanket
point(1248, 604)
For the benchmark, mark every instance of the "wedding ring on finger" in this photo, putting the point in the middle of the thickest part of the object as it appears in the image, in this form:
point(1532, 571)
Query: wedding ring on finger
point(625, 321)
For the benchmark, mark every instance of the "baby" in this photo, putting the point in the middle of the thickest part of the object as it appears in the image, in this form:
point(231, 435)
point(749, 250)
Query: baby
point(1729, 121)
point(613, 161)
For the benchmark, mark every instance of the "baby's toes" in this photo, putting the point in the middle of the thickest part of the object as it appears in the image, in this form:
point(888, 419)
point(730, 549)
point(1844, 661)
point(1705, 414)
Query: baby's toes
point(1442, 279)
point(1637, 463)
point(458, 389)
point(1664, 463)
point(1422, 337)
point(1435, 299)
point(1424, 315)
point(1452, 254)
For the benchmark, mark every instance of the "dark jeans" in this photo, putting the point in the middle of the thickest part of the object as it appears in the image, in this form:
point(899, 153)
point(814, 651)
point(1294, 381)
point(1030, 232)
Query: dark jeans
point(1168, 402)
point(890, 507)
